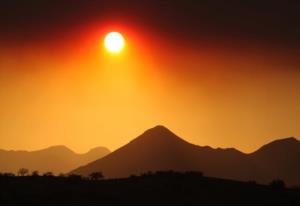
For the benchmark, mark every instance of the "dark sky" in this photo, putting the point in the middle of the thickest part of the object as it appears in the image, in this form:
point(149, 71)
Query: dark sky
point(272, 22)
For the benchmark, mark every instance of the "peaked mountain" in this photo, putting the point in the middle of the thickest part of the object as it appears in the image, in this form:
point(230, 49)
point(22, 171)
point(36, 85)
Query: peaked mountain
point(160, 149)
point(57, 159)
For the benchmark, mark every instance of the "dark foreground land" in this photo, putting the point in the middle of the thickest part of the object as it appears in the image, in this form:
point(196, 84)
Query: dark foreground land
point(162, 188)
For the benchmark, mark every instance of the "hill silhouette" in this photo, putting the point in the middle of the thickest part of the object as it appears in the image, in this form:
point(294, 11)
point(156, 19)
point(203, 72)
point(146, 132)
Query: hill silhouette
point(57, 159)
point(158, 149)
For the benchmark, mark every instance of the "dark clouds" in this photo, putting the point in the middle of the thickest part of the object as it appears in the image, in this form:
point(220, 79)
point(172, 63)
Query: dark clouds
point(275, 22)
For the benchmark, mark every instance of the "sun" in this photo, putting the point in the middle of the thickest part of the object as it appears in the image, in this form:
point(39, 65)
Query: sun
point(114, 42)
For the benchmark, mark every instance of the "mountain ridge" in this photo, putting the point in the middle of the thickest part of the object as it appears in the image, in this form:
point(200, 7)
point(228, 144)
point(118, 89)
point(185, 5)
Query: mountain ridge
point(160, 149)
point(57, 159)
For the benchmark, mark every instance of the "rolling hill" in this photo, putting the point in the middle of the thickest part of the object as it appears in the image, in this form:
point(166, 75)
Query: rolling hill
point(57, 159)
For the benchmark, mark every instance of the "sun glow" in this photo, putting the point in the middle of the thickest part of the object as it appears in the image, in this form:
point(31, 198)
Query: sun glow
point(114, 42)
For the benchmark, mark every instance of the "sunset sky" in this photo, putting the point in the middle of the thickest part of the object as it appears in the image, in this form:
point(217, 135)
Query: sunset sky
point(219, 74)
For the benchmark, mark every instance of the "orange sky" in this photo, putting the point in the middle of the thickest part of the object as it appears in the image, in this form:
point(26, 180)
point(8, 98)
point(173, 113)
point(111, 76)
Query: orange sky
point(70, 91)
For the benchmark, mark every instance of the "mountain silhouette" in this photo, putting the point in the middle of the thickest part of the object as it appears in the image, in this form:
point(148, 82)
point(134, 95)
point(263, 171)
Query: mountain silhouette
point(57, 159)
point(279, 160)
point(159, 149)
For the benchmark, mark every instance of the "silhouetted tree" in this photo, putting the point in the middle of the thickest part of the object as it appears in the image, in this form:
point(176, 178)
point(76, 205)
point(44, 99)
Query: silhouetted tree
point(146, 174)
point(74, 178)
point(48, 174)
point(23, 172)
point(35, 173)
point(62, 175)
point(277, 184)
point(8, 174)
point(96, 176)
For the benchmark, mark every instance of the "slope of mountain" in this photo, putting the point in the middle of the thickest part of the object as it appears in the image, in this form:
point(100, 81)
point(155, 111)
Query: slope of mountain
point(57, 159)
point(160, 149)
point(279, 159)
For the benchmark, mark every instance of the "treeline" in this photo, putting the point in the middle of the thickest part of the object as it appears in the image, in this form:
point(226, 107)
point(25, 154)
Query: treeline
point(23, 172)
point(150, 188)
point(96, 176)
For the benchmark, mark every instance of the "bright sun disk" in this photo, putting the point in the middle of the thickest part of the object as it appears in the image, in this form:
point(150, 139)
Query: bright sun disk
point(114, 42)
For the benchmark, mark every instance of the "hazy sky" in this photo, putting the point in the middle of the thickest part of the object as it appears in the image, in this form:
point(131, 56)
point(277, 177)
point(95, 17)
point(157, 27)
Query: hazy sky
point(217, 73)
